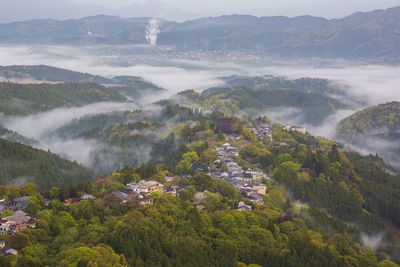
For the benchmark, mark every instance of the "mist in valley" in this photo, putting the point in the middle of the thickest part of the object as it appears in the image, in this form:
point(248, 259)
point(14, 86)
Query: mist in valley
point(356, 84)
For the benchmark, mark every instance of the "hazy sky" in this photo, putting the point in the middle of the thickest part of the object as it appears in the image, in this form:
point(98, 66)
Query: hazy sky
point(324, 8)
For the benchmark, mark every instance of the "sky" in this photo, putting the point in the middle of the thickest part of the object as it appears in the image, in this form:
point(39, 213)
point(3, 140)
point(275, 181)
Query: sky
point(323, 8)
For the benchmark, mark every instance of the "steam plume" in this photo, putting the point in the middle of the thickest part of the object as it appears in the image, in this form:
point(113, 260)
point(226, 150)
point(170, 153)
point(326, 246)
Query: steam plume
point(152, 31)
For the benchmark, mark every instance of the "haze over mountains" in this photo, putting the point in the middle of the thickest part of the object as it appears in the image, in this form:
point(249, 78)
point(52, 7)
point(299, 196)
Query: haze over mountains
point(370, 35)
point(17, 10)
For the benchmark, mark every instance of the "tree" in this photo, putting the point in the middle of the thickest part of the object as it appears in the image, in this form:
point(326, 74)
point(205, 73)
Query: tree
point(55, 192)
point(34, 205)
point(208, 156)
point(334, 154)
point(30, 189)
point(249, 151)
point(19, 241)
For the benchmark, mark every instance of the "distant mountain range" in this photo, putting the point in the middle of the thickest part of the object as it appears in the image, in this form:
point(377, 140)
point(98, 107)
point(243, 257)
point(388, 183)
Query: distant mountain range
point(17, 10)
point(370, 35)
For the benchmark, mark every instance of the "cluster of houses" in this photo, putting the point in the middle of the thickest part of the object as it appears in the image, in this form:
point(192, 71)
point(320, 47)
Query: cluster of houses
point(246, 182)
point(261, 130)
point(18, 222)
point(294, 128)
point(141, 191)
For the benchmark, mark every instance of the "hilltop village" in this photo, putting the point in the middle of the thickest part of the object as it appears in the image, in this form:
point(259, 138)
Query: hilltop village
point(223, 189)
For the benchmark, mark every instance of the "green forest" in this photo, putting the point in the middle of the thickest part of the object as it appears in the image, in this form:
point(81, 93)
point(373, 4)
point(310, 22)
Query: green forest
point(381, 119)
point(25, 99)
point(20, 164)
point(339, 188)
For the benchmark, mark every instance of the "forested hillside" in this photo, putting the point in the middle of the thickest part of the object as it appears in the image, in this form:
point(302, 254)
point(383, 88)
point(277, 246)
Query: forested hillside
point(186, 230)
point(20, 164)
point(264, 83)
point(313, 107)
point(381, 119)
point(16, 137)
point(132, 86)
point(25, 99)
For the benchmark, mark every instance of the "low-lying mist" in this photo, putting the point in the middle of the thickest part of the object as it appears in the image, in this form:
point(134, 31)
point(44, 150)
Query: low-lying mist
point(372, 84)
point(41, 126)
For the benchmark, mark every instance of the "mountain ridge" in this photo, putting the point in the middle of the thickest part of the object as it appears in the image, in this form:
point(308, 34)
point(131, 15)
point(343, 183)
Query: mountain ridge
point(363, 35)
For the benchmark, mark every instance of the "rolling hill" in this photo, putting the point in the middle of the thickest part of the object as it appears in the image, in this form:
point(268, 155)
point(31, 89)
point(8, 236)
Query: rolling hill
point(375, 130)
point(376, 120)
point(21, 164)
point(131, 86)
point(312, 107)
point(25, 99)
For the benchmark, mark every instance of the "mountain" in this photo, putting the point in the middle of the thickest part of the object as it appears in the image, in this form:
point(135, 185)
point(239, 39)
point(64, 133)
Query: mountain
point(270, 83)
point(130, 86)
point(381, 119)
point(375, 129)
point(25, 99)
point(153, 9)
point(21, 164)
point(361, 35)
point(16, 10)
point(309, 97)
point(11, 11)
point(16, 137)
point(369, 35)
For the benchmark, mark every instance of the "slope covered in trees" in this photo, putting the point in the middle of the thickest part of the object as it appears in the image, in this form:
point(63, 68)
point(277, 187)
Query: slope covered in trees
point(25, 99)
point(381, 119)
point(131, 86)
point(173, 231)
point(339, 188)
point(313, 107)
point(20, 164)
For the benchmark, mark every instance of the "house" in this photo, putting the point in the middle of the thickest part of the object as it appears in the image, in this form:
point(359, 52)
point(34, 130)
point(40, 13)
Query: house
point(200, 207)
point(21, 202)
point(11, 251)
point(170, 191)
point(294, 128)
point(17, 227)
point(212, 143)
point(200, 196)
point(126, 194)
point(261, 188)
point(149, 187)
point(87, 196)
point(258, 198)
point(225, 125)
point(247, 177)
point(257, 174)
point(146, 201)
point(4, 226)
point(198, 166)
point(6, 251)
point(5, 204)
point(169, 178)
point(72, 200)
point(19, 216)
point(243, 207)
